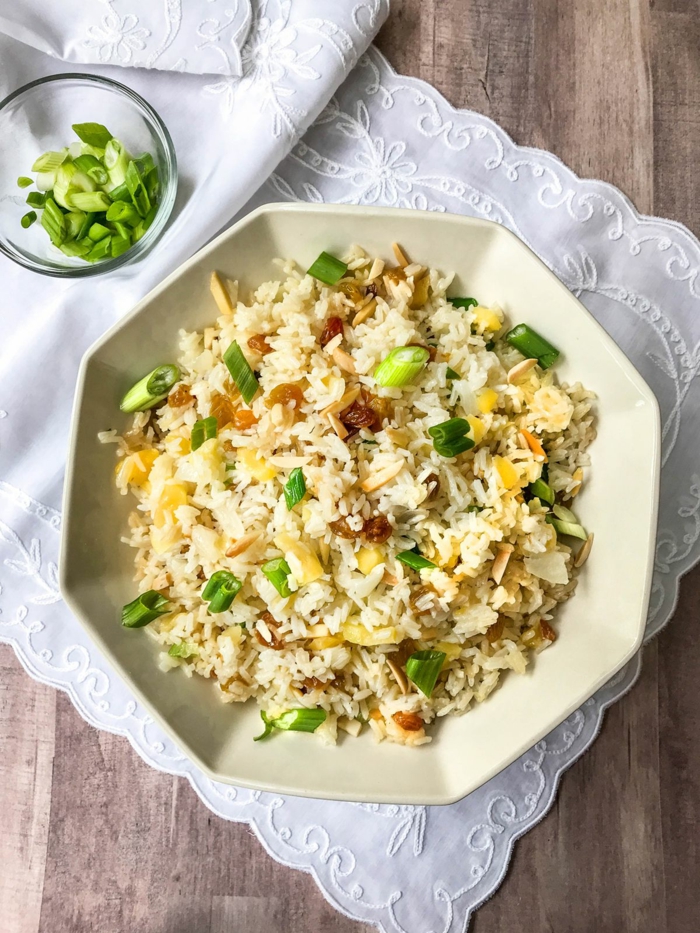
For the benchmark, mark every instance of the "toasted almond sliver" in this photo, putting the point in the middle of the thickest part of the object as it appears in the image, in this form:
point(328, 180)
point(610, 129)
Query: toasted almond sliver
point(400, 255)
point(220, 293)
point(344, 360)
point(342, 403)
point(365, 312)
point(585, 550)
point(288, 461)
point(242, 544)
point(376, 270)
point(384, 476)
point(397, 436)
point(519, 370)
point(498, 568)
point(534, 444)
point(399, 676)
point(390, 579)
point(338, 427)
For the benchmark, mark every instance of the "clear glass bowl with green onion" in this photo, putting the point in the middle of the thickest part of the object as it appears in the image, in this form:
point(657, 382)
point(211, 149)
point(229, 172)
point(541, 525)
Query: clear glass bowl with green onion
point(38, 119)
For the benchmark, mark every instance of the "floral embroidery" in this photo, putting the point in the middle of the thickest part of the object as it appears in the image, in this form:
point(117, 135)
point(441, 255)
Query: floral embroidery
point(118, 37)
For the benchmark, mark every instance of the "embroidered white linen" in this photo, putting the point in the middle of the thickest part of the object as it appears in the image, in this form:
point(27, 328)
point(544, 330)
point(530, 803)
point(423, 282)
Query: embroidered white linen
point(383, 139)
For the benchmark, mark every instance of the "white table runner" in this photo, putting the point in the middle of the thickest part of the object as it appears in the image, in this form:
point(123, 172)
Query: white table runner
point(383, 139)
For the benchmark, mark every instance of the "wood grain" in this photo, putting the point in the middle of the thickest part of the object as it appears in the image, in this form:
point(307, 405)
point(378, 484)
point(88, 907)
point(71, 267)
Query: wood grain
point(92, 838)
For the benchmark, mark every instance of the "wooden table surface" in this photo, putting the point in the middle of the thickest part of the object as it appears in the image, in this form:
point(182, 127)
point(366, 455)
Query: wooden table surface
point(91, 838)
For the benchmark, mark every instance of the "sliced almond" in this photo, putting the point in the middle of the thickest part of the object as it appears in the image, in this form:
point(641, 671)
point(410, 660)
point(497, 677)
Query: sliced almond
point(382, 477)
point(498, 568)
point(344, 360)
point(342, 403)
point(288, 461)
point(376, 270)
point(220, 293)
point(400, 255)
point(584, 551)
point(578, 476)
point(242, 544)
point(397, 436)
point(365, 312)
point(534, 444)
point(338, 427)
point(520, 370)
point(414, 269)
point(390, 579)
point(399, 675)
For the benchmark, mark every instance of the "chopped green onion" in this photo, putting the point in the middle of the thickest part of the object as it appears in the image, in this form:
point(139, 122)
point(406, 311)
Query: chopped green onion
point(45, 180)
point(88, 221)
point(566, 515)
point(221, 590)
point(120, 193)
point(94, 134)
point(295, 488)
point(573, 529)
point(402, 366)
point(183, 650)
point(241, 373)
point(137, 189)
point(152, 388)
point(52, 220)
point(92, 167)
point(36, 199)
point(116, 161)
point(542, 491)
point(453, 448)
point(277, 571)
point(463, 303)
point(74, 224)
point(63, 183)
point(119, 245)
point(79, 248)
point(423, 669)
point(203, 431)
point(294, 720)
point(28, 219)
point(327, 269)
point(415, 560)
point(475, 508)
point(98, 232)
point(230, 466)
point(450, 429)
point(452, 374)
point(532, 345)
point(100, 250)
point(490, 344)
point(151, 180)
point(89, 200)
point(144, 609)
point(123, 212)
point(49, 161)
point(24, 182)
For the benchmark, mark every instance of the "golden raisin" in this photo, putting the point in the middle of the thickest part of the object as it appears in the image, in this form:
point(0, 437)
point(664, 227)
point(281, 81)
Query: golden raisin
point(180, 396)
point(382, 408)
point(375, 714)
point(223, 409)
point(421, 290)
point(432, 483)
point(547, 631)
point(244, 419)
point(395, 275)
point(276, 643)
point(353, 291)
point(418, 596)
point(284, 394)
point(312, 683)
point(333, 327)
point(377, 530)
point(357, 416)
point(409, 722)
point(403, 652)
point(342, 529)
point(495, 631)
point(258, 342)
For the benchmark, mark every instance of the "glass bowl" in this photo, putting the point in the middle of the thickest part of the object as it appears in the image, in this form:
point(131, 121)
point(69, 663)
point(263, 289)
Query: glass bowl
point(37, 118)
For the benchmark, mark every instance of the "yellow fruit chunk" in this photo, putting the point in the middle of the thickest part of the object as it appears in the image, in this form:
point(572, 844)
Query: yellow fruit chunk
point(234, 632)
point(327, 641)
point(368, 558)
point(163, 539)
point(302, 560)
point(177, 446)
point(478, 428)
point(507, 472)
point(173, 496)
point(136, 467)
point(357, 634)
point(486, 319)
point(486, 400)
point(319, 630)
point(450, 649)
point(258, 468)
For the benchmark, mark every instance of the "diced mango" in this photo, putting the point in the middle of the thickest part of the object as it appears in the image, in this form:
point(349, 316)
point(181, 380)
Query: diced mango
point(302, 560)
point(507, 472)
point(357, 634)
point(452, 650)
point(136, 467)
point(478, 428)
point(368, 558)
point(327, 641)
point(258, 467)
point(177, 446)
point(486, 319)
point(319, 630)
point(486, 400)
point(173, 496)
point(234, 632)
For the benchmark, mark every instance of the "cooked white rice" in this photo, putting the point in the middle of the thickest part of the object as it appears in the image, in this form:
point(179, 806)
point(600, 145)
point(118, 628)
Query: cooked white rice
point(354, 607)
